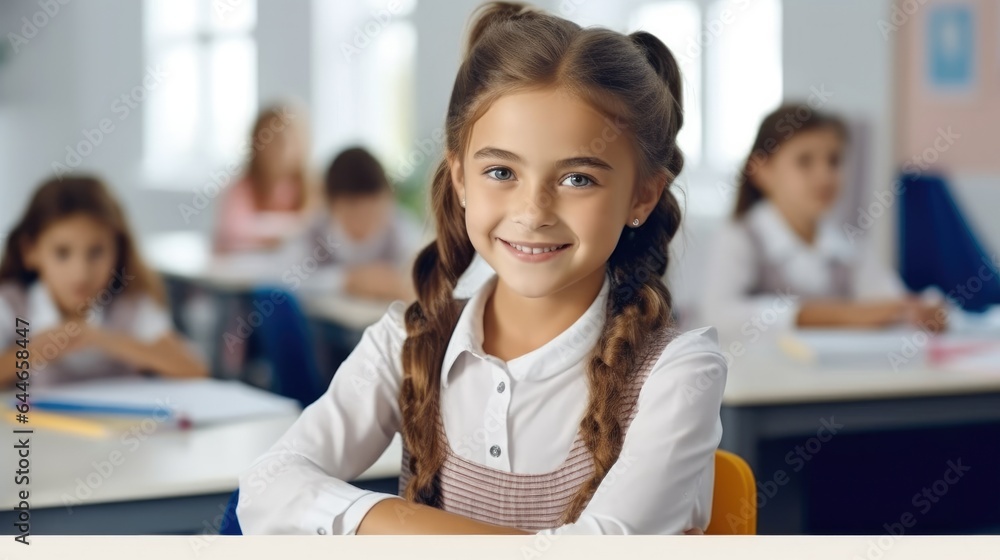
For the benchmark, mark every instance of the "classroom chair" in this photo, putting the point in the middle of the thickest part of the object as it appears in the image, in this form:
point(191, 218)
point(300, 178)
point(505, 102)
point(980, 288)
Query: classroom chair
point(937, 246)
point(286, 344)
point(734, 501)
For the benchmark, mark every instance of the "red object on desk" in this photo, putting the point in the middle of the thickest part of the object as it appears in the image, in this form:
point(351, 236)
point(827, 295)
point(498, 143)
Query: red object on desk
point(940, 352)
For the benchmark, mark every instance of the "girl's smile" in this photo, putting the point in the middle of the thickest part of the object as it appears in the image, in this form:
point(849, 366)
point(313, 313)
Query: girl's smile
point(535, 252)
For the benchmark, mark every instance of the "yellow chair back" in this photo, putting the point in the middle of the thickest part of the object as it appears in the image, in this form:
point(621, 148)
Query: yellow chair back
point(734, 503)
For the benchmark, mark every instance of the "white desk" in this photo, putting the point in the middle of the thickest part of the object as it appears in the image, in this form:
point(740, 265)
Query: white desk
point(187, 256)
point(764, 384)
point(776, 399)
point(172, 482)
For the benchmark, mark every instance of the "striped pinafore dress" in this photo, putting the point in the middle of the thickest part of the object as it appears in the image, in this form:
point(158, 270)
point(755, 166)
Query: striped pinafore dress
point(531, 502)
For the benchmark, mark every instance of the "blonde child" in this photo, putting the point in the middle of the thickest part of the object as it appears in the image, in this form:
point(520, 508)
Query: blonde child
point(266, 206)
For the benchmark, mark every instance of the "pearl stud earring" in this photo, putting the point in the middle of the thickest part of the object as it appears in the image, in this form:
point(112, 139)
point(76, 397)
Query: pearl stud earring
point(463, 203)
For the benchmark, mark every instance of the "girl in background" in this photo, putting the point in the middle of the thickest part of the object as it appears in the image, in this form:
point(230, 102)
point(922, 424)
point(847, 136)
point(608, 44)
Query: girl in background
point(264, 207)
point(557, 399)
point(781, 256)
point(71, 270)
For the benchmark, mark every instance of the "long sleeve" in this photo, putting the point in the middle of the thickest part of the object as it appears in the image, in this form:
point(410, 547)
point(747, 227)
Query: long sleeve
point(663, 480)
point(727, 303)
point(300, 485)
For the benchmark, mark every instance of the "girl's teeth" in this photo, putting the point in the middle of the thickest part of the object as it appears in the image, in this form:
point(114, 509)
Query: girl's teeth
point(535, 251)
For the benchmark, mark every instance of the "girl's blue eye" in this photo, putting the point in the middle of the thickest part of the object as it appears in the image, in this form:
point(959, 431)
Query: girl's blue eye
point(500, 174)
point(577, 180)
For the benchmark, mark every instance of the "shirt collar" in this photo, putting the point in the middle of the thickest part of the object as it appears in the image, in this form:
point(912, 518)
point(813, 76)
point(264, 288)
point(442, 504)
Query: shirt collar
point(781, 243)
point(556, 356)
point(44, 313)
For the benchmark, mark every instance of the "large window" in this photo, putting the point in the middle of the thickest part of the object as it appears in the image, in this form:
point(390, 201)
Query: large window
point(363, 72)
point(202, 111)
point(730, 56)
point(677, 23)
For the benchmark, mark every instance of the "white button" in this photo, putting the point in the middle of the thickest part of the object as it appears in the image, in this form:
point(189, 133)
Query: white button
point(501, 387)
point(321, 531)
point(495, 451)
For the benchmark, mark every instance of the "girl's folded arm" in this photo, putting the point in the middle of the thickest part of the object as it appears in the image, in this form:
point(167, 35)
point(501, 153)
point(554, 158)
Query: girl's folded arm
point(301, 485)
point(168, 355)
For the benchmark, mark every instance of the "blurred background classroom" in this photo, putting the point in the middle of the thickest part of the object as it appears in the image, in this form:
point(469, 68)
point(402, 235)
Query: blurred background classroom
point(847, 431)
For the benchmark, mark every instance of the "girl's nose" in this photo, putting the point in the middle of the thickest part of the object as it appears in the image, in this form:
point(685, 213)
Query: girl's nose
point(534, 207)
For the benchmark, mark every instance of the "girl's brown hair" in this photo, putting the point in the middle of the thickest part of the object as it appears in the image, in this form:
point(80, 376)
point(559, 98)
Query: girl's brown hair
point(634, 80)
point(58, 199)
point(783, 124)
point(271, 122)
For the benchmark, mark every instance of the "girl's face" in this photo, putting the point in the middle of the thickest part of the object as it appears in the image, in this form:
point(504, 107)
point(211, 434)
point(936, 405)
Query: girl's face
point(362, 217)
point(549, 184)
point(804, 175)
point(75, 258)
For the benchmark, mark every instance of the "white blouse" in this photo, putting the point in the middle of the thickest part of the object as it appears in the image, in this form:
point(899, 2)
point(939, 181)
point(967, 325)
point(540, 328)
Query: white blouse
point(661, 484)
point(734, 264)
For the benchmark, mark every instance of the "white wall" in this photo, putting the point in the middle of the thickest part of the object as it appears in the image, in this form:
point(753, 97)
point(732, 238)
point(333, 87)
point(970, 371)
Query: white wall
point(38, 108)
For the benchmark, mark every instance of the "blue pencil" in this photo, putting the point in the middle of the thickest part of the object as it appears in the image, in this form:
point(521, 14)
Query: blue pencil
point(64, 406)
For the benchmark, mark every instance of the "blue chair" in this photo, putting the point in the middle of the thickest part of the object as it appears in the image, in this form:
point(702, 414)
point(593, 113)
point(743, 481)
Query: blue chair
point(230, 524)
point(285, 341)
point(937, 247)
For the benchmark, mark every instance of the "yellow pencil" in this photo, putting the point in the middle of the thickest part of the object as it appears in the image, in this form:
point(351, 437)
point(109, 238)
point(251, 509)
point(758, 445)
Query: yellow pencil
point(60, 423)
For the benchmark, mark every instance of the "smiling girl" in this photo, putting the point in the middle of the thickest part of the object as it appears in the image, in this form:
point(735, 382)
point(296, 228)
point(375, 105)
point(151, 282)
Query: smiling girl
point(71, 270)
point(558, 398)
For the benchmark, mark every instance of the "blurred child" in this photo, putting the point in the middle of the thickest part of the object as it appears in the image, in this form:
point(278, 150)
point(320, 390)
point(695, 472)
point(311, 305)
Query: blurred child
point(264, 207)
point(780, 260)
point(71, 272)
point(362, 242)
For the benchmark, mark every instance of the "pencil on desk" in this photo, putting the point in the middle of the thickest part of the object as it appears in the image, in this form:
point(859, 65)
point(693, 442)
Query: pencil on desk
point(796, 348)
point(60, 423)
point(161, 415)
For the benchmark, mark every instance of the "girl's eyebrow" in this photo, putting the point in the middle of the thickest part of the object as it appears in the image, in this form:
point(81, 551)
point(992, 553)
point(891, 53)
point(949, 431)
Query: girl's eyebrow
point(586, 161)
point(583, 161)
point(496, 153)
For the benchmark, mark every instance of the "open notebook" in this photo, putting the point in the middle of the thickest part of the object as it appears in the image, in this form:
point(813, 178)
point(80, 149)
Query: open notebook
point(199, 401)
